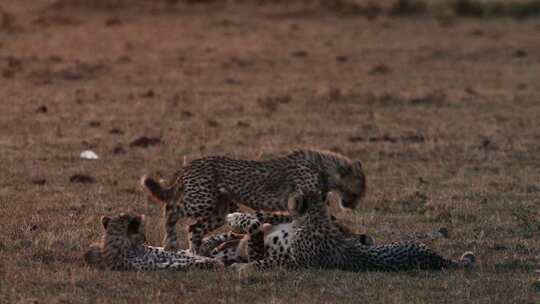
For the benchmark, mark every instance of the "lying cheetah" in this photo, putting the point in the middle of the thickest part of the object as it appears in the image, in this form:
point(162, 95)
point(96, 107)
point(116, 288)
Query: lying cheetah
point(312, 240)
point(197, 191)
point(122, 248)
point(264, 233)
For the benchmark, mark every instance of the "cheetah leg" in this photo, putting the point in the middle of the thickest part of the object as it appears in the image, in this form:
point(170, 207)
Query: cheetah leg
point(430, 259)
point(256, 253)
point(199, 229)
point(170, 242)
point(255, 246)
point(211, 218)
point(405, 256)
point(209, 264)
point(273, 218)
point(258, 261)
point(209, 244)
point(190, 262)
point(249, 224)
point(229, 252)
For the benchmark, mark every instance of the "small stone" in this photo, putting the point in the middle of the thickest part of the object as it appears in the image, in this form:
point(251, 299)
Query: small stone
point(299, 54)
point(116, 131)
point(186, 113)
point(83, 179)
point(380, 69)
point(520, 54)
point(212, 123)
point(42, 109)
point(354, 139)
point(89, 154)
point(118, 150)
point(114, 22)
point(148, 94)
point(145, 142)
point(39, 181)
point(342, 58)
point(243, 124)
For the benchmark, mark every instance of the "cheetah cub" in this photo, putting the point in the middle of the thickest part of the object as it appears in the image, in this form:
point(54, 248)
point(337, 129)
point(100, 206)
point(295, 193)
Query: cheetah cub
point(197, 191)
point(123, 248)
point(313, 240)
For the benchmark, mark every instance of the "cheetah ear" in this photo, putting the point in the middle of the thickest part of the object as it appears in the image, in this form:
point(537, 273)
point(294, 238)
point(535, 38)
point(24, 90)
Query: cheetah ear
point(155, 190)
point(105, 221)
point(134, 224)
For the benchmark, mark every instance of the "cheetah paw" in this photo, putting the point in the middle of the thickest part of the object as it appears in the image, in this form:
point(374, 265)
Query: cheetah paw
point(243, 223)
point(467, 259)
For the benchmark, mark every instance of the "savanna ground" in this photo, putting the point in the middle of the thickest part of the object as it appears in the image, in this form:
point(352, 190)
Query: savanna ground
point(442, 110)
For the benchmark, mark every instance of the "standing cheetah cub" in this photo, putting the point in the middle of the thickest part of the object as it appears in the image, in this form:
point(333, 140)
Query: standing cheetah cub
point(208, 188)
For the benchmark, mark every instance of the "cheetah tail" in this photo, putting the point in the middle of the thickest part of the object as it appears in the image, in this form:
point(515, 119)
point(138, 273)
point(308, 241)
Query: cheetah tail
point(156, 191)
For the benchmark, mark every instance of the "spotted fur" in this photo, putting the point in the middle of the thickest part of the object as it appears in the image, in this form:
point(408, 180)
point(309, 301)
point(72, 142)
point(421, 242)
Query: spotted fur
point(270, 243)
point(209, 188)
point(313, 240)
point(268, 234)
point(123, 248)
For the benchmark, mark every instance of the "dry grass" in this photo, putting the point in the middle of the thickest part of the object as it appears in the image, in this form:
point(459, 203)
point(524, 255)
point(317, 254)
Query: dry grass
point(444, 117)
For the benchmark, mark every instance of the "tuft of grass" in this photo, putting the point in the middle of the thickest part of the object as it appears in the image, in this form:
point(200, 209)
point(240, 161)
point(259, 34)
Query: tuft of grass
point(535, 286)
point(514, 265)
point(530, 230)
point(528, 218)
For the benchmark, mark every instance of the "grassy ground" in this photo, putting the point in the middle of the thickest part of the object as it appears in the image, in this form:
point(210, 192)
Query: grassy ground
point(443, 113)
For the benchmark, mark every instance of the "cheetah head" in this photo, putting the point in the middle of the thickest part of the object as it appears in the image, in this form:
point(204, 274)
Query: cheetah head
point(125, 226)
point(350, 185)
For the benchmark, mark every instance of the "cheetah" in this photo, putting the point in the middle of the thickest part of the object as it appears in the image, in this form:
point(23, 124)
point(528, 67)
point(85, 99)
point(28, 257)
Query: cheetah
point(123, 249)
point(266, 234)
point(313, 240)
point(208, 188)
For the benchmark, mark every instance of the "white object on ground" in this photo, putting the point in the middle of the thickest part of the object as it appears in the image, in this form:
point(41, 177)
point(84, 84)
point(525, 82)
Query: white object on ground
point(89, 154)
